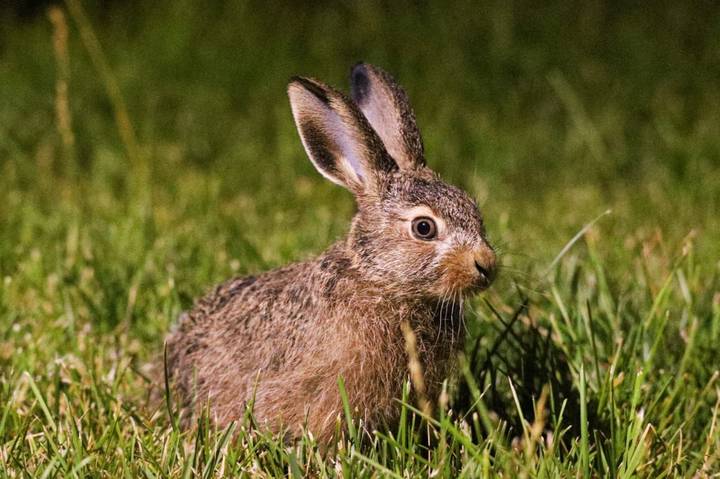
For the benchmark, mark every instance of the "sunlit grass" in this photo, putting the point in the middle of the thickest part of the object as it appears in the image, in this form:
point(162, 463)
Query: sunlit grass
point(596, 359)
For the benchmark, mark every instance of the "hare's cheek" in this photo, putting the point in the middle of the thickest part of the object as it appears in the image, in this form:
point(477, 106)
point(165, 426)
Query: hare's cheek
point(415, 255)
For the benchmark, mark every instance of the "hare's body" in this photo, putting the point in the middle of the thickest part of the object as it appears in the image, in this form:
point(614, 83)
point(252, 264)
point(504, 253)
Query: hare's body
point(294, 332)
point(416, 248)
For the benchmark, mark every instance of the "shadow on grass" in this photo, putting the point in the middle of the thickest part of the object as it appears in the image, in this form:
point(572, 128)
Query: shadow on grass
point(526, 354)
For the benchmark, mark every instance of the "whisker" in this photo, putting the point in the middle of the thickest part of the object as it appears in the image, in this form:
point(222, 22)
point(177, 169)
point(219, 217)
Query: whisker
point(462, 316)
point(438, 318)
point(452, 320)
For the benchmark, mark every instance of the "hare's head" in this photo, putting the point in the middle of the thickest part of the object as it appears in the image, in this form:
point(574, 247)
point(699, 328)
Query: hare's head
point(413, 233)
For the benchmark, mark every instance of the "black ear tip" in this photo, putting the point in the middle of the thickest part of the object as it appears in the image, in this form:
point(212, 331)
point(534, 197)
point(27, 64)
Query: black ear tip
point(359, 81)
point(361, 65)
point(313, 87)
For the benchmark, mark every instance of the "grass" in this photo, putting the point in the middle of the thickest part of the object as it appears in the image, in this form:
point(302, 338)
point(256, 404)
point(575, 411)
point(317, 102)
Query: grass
point(172, 163)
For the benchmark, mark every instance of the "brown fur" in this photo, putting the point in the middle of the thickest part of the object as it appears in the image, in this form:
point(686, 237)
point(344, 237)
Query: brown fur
point(286, 335)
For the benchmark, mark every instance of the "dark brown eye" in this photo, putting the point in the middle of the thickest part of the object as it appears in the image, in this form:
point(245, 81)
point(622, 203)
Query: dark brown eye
point(424, 228)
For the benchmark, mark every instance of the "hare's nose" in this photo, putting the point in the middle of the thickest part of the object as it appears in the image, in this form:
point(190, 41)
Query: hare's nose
point(485, 264)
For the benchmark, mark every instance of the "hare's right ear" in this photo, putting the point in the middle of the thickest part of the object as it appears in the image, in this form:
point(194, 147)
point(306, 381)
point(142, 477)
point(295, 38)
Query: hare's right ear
point(337, 137)
point(387, 108)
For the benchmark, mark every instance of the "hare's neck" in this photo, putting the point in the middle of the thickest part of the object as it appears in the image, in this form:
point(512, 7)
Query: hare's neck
point(436, 324)
point(449, 310)
point(446, 319)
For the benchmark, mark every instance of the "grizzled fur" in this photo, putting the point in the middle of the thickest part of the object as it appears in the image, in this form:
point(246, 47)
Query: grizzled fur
point(285, 336)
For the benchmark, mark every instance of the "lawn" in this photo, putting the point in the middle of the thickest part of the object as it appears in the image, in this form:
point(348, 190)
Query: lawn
point(147, 152)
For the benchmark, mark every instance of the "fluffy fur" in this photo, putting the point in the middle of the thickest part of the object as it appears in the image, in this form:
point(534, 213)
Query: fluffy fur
point(284, 336)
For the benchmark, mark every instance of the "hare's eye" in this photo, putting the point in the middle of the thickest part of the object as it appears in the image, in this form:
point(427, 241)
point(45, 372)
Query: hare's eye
point(424, 228)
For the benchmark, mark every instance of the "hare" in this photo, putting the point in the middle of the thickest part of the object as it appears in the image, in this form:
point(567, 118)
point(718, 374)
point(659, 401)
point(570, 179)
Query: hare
point(415, 249)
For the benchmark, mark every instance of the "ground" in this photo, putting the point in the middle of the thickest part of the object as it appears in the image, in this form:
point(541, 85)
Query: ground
point(152, 153)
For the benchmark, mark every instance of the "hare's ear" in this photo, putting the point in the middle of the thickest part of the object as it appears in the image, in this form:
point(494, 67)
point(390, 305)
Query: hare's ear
point(386, 106)
point(337, 137)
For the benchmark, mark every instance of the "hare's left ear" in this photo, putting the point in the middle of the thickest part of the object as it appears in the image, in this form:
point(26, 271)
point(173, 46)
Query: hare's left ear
point(337, 137)
point(386, 106)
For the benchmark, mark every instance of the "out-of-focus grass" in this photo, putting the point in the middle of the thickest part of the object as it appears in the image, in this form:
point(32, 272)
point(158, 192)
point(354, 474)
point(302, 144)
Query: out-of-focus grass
point(550, 115)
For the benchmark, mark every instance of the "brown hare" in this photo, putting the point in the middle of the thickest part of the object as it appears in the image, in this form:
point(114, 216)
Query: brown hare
point(415, 249)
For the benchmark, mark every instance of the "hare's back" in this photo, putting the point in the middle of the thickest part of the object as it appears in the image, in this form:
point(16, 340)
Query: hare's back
point(245, 324)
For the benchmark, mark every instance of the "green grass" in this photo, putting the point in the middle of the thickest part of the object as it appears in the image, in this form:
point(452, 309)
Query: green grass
point(603, 363)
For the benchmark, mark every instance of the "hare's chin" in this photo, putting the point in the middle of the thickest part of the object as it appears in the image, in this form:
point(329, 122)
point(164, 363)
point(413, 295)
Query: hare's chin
point(482, 283)
point(464, 291)
point(478, 286)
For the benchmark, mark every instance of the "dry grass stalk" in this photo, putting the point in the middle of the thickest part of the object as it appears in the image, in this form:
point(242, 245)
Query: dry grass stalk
point(62, 101)
point(99, 60)
point(415, 367)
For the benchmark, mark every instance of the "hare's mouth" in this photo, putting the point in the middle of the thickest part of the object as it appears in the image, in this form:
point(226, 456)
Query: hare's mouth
point(466, 282)
point(480, 279)
point(468, 269)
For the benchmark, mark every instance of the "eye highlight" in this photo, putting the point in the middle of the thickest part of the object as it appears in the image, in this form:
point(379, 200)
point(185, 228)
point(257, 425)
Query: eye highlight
point(424, 228)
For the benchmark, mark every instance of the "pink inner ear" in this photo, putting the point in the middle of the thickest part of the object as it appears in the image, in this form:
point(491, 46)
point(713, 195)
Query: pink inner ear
point(344, 137)
point(336, 136)
point(385, 125)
